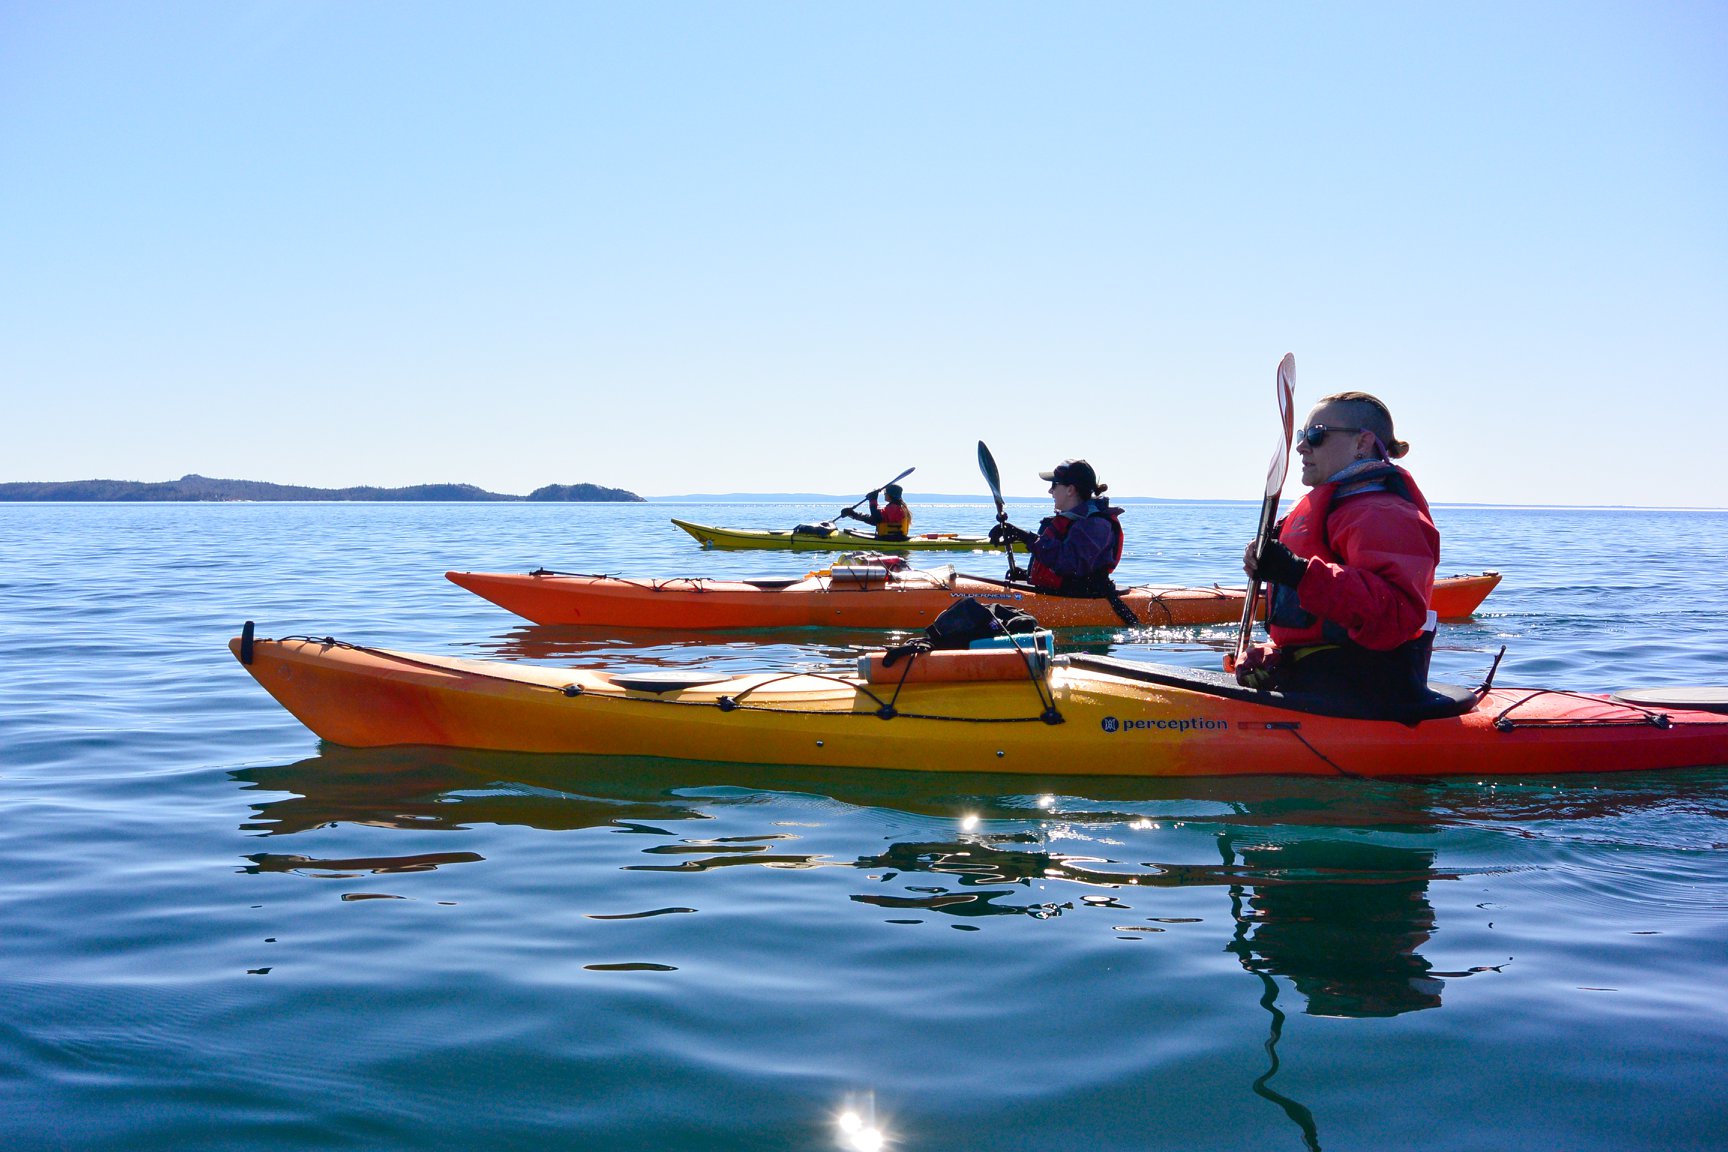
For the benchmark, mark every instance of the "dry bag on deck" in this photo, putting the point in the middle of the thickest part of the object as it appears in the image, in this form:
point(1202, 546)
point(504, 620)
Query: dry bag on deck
point(967, 620)
point(960, 625)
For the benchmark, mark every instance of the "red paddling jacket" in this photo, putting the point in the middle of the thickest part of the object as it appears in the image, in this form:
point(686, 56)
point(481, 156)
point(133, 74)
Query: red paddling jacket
point(1372, 549)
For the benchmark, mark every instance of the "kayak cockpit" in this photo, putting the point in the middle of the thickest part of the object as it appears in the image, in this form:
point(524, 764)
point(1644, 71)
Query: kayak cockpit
point(1442, 700)
point(1706, 699)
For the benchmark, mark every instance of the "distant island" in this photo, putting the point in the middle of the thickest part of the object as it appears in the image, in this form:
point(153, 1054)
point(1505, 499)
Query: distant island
point(204, 488)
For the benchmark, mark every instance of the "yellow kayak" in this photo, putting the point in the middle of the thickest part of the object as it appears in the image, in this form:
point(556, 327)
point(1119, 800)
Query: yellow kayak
point(827, 538)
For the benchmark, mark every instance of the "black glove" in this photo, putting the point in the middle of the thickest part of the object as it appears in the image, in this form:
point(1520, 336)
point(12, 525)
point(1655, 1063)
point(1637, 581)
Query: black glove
point(1278, 565)
point(1004, 532)
point(1015, 572)
point(1259, 669)
point(849, 514)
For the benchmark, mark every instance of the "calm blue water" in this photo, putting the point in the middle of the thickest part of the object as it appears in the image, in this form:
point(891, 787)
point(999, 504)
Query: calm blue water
point(219, 935)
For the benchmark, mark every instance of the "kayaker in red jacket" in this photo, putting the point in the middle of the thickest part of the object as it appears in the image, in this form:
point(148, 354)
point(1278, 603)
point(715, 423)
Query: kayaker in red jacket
point(1075, 551)
point(892, 521)
point(1352, 570)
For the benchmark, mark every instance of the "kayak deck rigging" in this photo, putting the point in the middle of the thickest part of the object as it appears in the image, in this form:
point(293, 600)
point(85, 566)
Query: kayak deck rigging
point(656, 685)
point(1639, 716)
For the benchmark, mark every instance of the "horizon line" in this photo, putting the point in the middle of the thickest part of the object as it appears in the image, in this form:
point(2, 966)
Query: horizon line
point(961, 498)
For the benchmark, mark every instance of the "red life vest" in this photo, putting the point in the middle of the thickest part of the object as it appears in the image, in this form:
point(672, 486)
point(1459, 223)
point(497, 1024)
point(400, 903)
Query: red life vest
point(895, 522)
point(1094, 583)
point(1305, 533)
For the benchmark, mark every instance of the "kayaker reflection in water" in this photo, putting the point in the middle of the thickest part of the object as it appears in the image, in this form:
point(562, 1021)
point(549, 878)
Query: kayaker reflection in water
point(1351, 572)
point(893, 521)
point(1073, 552)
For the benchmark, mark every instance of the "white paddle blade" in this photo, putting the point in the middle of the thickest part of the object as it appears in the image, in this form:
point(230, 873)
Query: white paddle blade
point(1280, 466)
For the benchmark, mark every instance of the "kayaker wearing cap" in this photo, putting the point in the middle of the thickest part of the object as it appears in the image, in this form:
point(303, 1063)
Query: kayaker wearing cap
point(1074, 551)
point(1352, 569)
point(893, 521)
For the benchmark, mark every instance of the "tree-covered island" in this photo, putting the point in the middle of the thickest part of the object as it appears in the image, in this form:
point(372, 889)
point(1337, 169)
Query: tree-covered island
point(204, 488)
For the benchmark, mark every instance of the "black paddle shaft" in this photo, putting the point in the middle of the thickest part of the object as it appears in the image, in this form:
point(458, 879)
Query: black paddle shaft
point(993, 477)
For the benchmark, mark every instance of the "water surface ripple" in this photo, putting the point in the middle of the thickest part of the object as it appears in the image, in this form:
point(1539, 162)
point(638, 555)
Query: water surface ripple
point(221, 934)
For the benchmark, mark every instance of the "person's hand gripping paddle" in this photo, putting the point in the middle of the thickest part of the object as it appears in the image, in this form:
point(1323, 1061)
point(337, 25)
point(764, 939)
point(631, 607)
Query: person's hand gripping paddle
point(992, 477)
point(1275, 474)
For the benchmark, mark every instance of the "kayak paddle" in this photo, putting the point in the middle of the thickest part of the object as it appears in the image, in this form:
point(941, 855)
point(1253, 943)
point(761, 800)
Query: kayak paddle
point(992, 477)
point(1275, 474)
point(896, 480)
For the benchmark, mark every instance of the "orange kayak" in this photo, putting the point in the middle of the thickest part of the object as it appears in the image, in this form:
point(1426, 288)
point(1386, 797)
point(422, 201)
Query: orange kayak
point(961, 712)
point(867, 596)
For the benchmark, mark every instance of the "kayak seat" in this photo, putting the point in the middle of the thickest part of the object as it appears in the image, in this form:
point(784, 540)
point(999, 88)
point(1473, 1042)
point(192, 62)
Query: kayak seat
point(667, 681)
point(1442, 699)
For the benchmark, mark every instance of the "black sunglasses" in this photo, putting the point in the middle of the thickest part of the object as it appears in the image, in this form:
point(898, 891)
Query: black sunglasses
point(1315, 434)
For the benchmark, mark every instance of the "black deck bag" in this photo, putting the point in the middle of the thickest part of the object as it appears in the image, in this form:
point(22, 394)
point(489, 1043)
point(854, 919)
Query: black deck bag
point(962, 622)
point(967, 620)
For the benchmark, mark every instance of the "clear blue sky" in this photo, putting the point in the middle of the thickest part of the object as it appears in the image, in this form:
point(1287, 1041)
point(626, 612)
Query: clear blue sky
point(682, 247)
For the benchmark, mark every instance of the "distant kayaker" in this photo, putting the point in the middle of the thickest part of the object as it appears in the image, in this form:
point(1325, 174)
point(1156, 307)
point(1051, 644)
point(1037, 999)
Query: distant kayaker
point(893, 520)
point(1073, 552)
point(1351, 572)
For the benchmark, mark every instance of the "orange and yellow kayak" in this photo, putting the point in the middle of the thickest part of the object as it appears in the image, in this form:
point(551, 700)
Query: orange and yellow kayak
point(959, 712)
point(867, 596)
